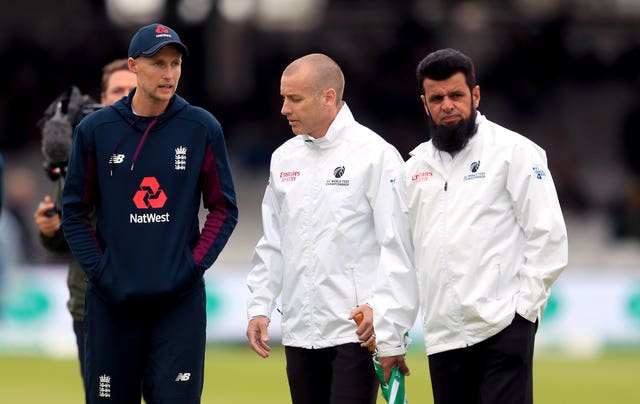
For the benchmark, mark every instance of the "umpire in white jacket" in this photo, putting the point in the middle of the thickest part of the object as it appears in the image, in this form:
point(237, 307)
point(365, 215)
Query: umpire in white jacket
point(489, 241)
point(328, 208)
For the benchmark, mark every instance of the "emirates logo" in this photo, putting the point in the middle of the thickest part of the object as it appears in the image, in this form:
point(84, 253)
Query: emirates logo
point(149, 195)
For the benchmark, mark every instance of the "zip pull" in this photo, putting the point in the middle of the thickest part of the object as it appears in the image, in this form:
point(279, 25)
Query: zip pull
point(445, 185)
point(355, 287)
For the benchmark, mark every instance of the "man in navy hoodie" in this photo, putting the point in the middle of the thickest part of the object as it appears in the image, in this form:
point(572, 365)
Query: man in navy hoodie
point(143, 164)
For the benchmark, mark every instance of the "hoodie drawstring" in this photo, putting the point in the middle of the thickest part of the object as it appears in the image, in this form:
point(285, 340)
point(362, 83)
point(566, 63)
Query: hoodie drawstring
point(115, 148)
point(144, 137)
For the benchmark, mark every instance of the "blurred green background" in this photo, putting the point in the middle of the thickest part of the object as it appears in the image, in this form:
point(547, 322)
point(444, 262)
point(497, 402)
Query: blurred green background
point(236, 375)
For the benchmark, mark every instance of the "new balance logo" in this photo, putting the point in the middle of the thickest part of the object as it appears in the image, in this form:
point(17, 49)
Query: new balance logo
point(183, 377)
point(116, 158)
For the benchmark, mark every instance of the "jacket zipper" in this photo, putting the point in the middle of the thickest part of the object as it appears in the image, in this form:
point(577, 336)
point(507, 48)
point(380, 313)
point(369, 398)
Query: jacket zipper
point(355, 288)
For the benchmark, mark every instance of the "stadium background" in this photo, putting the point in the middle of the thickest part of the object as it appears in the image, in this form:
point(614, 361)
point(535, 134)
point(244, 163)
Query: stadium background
point(565, 73)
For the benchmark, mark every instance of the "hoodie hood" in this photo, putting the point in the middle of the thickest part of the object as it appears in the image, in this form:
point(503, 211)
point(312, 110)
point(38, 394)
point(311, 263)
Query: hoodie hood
point(140, 123)
point(143, 124)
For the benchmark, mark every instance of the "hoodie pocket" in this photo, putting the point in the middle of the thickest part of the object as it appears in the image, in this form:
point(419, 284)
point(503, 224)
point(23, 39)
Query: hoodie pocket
point(105, 281)
point(188, 273)
point(99, 272)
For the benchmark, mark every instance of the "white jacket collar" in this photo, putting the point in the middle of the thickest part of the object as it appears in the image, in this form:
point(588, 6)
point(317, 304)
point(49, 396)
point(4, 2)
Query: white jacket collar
point(343, 119)
point(428, 151)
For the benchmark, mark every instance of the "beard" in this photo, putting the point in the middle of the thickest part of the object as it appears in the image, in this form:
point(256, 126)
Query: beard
point(453, 138)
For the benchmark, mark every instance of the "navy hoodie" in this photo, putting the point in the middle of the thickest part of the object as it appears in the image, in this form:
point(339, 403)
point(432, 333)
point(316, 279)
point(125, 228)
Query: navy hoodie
point(144, 177)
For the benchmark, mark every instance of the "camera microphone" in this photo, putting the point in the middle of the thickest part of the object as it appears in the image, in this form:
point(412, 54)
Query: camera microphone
point(57, 135)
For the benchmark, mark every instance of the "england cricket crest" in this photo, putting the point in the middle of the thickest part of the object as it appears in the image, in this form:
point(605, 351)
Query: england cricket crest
point(104, 389)
point(181, 158)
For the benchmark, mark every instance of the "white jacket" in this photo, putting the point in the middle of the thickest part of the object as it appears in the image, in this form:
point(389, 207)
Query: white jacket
point(326, 212)
point(489, 241)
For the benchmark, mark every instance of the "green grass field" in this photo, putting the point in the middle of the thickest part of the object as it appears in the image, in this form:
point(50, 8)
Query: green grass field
point(235, 375)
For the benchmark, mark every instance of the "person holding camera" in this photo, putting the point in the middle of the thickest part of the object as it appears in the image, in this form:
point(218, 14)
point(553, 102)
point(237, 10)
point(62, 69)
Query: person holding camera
point(117, 82)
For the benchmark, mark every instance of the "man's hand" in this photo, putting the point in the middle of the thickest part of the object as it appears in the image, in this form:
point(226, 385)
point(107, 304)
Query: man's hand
point(363, 316)
point(48, 225)
point(389, 362)
point(258, 335)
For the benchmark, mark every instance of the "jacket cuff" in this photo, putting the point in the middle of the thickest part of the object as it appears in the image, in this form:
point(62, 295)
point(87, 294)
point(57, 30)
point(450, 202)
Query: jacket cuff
point(383, 352)
point(257, 312)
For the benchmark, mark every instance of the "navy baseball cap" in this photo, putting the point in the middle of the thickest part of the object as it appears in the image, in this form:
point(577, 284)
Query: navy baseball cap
point(151, 38)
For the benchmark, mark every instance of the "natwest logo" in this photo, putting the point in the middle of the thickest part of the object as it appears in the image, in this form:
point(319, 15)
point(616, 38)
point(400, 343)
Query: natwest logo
point(149, 195)
point(161, 29)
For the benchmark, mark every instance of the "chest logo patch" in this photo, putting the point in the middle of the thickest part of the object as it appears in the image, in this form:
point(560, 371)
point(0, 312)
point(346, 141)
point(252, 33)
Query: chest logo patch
point(289, 176)
point(337, 173)
point(474, 167)
point(181, 158)
point(539, 172)
point(149, 195)
point(421, 176)
point(116, 159)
